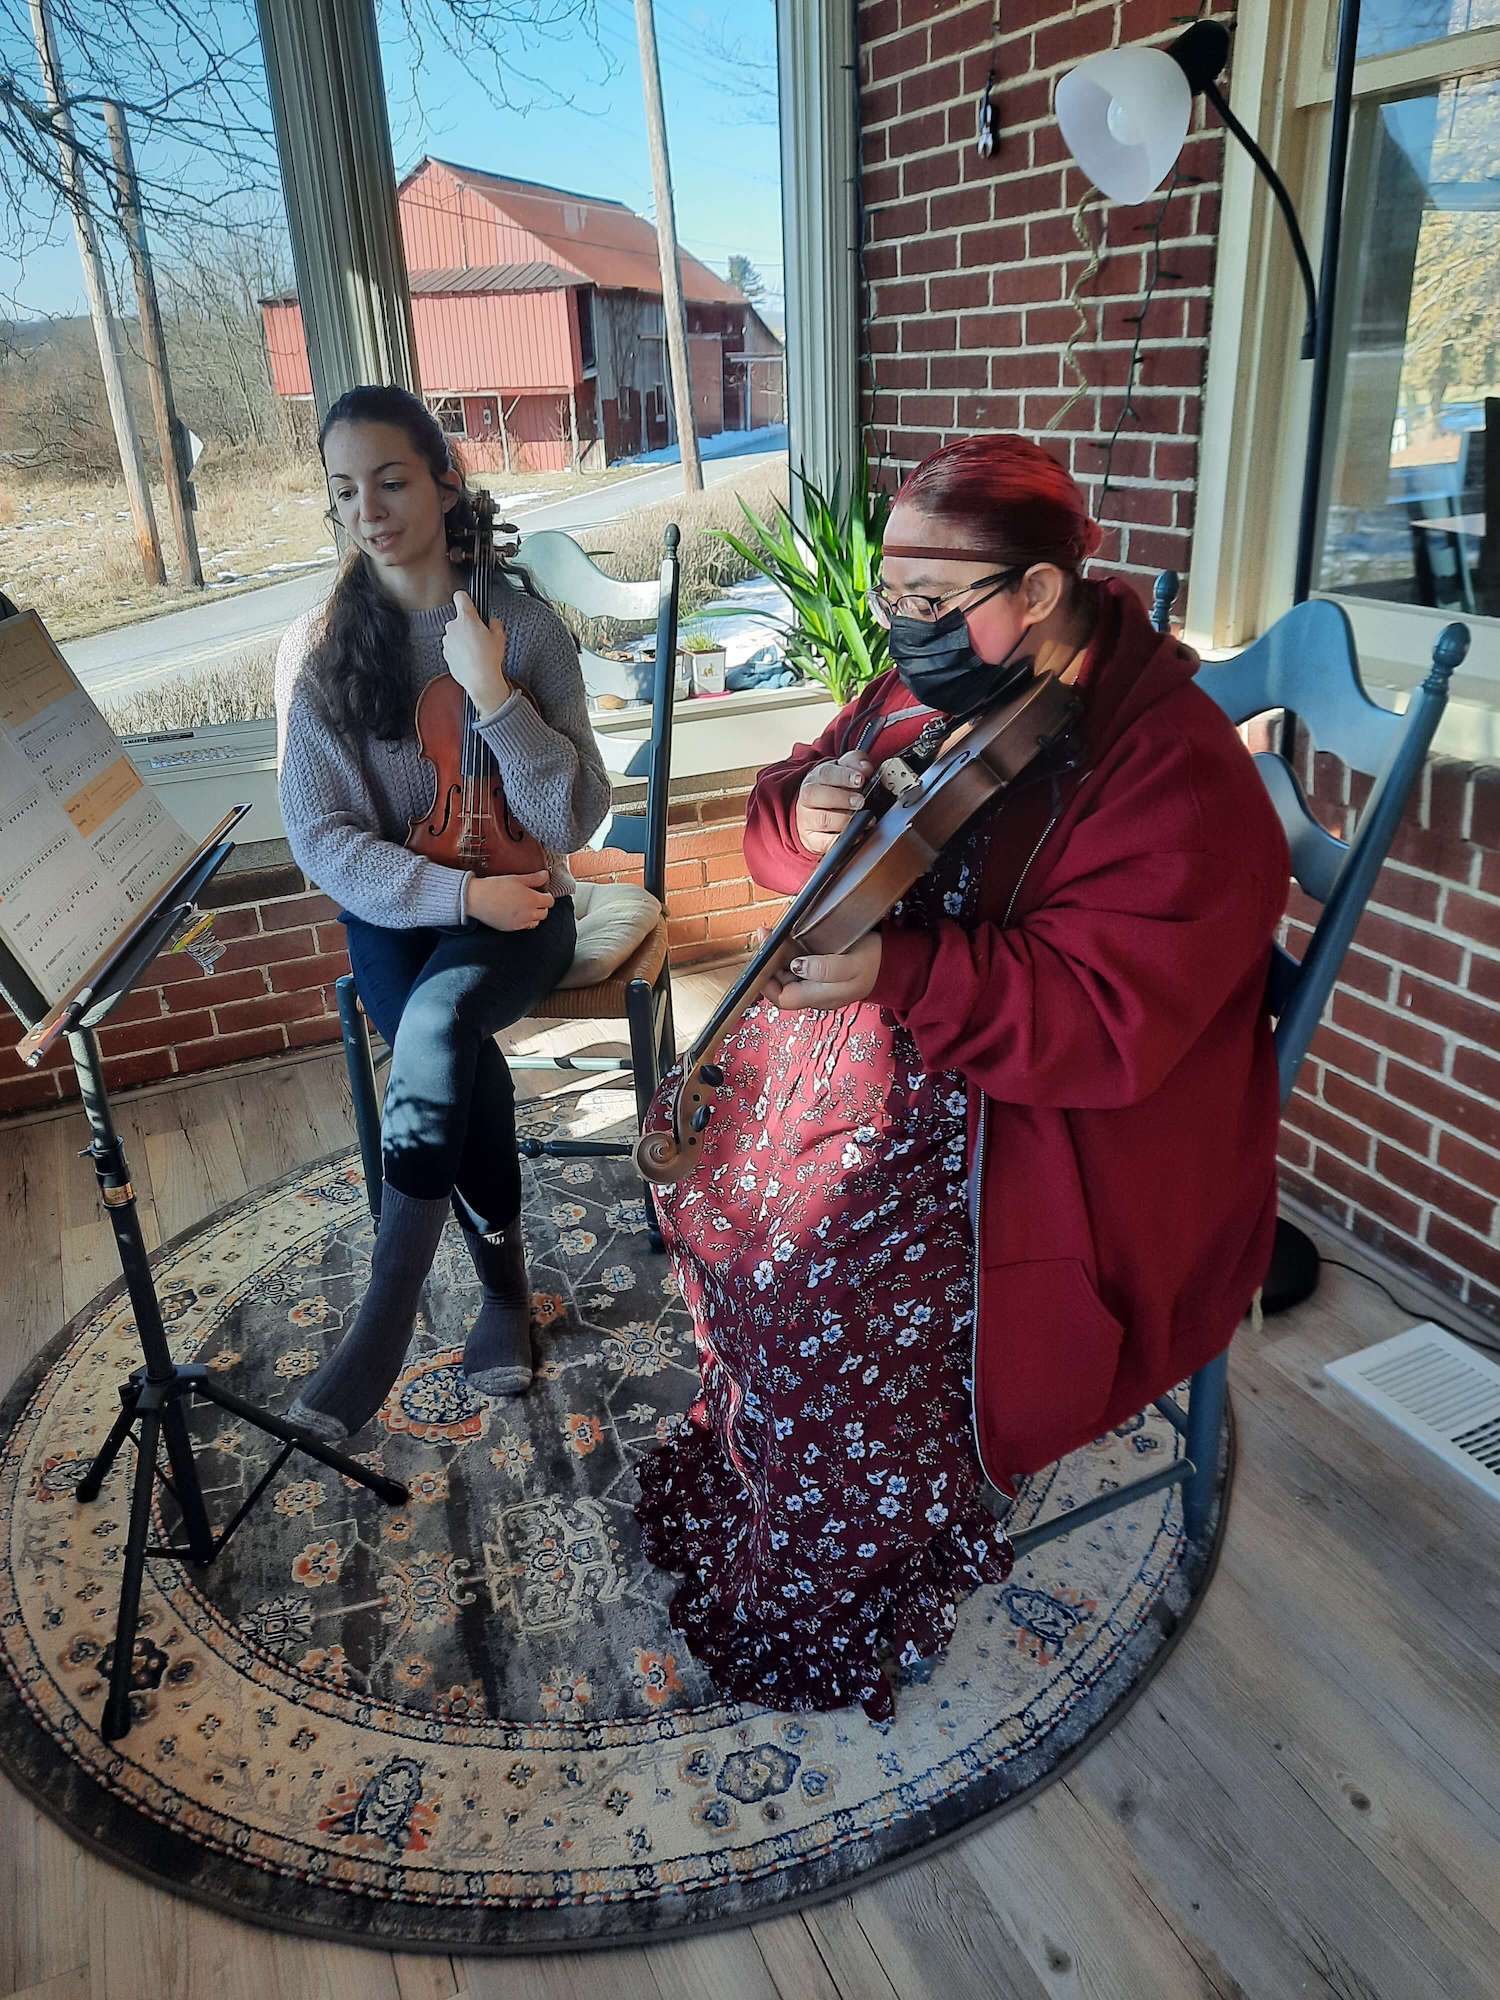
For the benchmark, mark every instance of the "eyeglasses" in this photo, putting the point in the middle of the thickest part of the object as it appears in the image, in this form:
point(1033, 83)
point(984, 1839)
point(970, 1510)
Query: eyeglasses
point(928, 610)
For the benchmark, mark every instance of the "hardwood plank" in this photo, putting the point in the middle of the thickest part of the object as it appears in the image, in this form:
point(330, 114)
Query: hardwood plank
point(1115, 1943)
point(43, 1889)
point(846, 1950)
point(66, 1986)
point(935, 1931)
point(31, 1286)
point(191, 1151)
point(797, 1967)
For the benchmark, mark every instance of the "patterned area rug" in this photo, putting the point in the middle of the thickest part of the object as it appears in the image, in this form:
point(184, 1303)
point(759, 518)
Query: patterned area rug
point(468, 1725)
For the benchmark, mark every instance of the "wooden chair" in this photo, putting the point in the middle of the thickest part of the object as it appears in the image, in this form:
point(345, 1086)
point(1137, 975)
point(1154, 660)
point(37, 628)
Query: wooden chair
point(620, 971)
point(1306, 663)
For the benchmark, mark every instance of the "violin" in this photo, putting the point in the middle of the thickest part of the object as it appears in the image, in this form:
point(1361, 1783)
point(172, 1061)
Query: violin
point(469, 825)
point(903, 822)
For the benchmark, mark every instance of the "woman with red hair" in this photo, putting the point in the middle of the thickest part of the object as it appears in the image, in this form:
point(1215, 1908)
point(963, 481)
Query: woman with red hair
point(989, 1182)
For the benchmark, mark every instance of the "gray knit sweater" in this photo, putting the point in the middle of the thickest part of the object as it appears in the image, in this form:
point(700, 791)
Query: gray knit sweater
point(347, 806)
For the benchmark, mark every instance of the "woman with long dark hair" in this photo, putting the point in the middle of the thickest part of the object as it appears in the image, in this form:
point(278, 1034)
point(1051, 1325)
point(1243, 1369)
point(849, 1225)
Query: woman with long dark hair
point(444, 957)
point(990, 1181)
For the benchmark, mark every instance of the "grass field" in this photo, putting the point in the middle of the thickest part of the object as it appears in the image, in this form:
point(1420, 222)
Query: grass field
point(69, 550)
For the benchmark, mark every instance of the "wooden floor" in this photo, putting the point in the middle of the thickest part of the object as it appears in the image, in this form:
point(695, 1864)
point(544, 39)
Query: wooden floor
point(1305, 1802)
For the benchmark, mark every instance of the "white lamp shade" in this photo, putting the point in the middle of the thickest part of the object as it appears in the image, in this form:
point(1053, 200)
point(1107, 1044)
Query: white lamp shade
point(1125, 115)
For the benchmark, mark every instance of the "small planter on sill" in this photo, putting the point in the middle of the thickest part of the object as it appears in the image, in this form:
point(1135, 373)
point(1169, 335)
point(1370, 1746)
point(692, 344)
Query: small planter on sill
point(708, 664)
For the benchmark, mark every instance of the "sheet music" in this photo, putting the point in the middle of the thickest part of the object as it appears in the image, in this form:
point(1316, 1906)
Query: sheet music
point(84, 841)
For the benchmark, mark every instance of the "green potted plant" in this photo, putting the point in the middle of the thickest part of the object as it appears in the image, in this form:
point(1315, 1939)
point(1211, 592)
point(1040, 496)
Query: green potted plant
point(706, 658)
point(824, 569)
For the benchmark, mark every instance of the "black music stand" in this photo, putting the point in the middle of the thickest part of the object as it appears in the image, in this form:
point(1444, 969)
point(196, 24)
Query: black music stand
point(153, 1396)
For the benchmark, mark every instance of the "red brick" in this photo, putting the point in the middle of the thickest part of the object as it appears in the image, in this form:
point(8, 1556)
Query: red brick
point(930, 174)
point(1439, 957)
point(1365, 1192)
point(684, 874)
point(156, 1034)
point(685, 930)
point(968, 29)
point(28, 1093)
point(1436, 1190)
point(902, 219)
point(1154, 548)
point(1448, 1008)
point(1472, 917)
point(1175, 461)
point(1027, 284)
point(739, 924)
point(997, 244)
point(930, 336)
point(1292, 1148)
point(332, 937)
point(1469, 1163)
point(270, 1010)
point(881, 183)
point(1484, 977)
point(150, 1066)
point(1411, 895)
point(1476, 1070)
point(142, 1004)
point(928, 409)
point(1386, 1031)
point(270, 949)
point(1368, 975)
point(1321, 1200)
point(224, 986)
point(307, 1034)
point(922, 134)
point(1029, 194)
point(1488, 882)
point(993, 329)
point(721, 896)
point(1469, 1253)
point(1075, 36)
point(988, 413)
point(1153, 413)
point(1303, 1114)
point(1484, 822)
point(223, 1050)
point(176, 968)
point(928, 253)
point(898, 56)
point(1344, 1053)
point(964, 292)
point(1433, 852)
point(232, 924)
point(1473, 1116)
point(959, 371)
point(297, 973)
point(941, 83)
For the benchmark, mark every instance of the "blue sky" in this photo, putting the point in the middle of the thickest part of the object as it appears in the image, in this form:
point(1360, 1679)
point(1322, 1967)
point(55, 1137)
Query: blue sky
point(725, 161)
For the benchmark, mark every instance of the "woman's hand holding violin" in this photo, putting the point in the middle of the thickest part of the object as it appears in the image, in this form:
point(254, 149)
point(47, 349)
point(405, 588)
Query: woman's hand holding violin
point(839, 979)
point(475, 653)
point(828, 799)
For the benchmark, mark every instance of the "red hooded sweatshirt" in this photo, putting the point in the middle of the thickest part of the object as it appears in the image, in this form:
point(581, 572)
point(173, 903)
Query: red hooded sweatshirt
point(1106, 1008)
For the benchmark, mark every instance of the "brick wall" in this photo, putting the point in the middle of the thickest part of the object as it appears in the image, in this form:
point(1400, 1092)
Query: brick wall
point(1395, 1129)
point(272, 991)
point(969, 262)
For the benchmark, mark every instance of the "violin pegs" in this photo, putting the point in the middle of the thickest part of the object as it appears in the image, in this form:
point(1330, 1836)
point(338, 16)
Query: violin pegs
point(712, 1075)
point(701, 1116)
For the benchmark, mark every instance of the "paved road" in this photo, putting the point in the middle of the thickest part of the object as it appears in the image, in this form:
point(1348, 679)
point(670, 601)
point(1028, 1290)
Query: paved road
point(223, 630)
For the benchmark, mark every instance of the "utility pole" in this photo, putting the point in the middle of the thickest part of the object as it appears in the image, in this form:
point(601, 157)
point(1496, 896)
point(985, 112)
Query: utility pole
point(666, 243)
point(148, 308)
point(106, 333)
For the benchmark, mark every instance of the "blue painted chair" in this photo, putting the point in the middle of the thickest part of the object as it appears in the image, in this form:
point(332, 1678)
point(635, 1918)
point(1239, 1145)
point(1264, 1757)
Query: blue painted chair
point(1305, 664)
point(637, 987)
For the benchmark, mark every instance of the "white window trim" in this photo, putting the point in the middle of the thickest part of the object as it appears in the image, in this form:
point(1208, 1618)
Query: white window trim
point(818, 68)
point(1255, 407)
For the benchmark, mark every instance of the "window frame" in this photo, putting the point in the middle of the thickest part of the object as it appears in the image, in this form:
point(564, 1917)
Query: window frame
point(1256, 389)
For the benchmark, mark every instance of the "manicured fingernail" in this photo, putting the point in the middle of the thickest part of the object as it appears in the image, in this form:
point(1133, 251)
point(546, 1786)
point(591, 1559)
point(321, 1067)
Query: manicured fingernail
point(799, 967)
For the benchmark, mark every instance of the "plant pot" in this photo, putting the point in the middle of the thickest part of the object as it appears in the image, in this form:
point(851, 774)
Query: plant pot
point(708, 668)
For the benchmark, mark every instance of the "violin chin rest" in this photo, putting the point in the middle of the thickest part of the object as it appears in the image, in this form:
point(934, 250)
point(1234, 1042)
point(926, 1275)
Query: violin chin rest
point(661, 1160)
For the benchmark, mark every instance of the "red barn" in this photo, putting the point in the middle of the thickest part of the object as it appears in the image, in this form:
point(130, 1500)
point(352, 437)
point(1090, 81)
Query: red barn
point(540, 334)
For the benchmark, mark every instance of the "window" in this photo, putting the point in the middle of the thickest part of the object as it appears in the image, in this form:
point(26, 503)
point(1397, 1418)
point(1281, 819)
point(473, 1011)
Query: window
point(1412, 511)
point(585, 299)
point(1409, 522)
point(449, 411)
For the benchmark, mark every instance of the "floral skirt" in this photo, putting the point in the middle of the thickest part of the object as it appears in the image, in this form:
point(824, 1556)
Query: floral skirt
point(822, 1503)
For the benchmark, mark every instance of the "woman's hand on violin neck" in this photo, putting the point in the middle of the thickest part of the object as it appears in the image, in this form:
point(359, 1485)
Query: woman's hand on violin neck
point(475, 655)
point(839, 979)
point(830, 794)
point(508, 902)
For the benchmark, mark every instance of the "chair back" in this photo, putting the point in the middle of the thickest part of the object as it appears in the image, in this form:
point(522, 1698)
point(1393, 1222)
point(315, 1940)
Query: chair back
point(567, 575)
point(1306, 663)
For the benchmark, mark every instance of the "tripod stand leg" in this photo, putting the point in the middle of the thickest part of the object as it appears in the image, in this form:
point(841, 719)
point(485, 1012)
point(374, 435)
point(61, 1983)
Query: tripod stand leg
point(88, 1487)
point(117, 1707)
point(185, 1485)
point(390, 1490)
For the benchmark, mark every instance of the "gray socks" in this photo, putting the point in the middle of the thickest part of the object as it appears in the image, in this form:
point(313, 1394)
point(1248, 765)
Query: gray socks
point(497, 1354)
point(352, 1383)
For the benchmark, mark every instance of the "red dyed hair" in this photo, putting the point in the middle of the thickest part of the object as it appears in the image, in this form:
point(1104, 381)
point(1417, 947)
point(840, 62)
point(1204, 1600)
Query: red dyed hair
point(1002, 495)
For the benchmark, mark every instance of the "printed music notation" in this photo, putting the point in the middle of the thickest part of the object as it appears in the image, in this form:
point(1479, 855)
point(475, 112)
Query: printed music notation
point(83, 840)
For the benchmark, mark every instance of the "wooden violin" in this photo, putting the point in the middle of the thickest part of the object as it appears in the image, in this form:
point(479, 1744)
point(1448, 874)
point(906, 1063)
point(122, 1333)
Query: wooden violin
point(903, 822)
point(469, 825)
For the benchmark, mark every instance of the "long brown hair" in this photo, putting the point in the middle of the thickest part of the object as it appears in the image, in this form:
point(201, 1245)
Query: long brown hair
point(360, 666)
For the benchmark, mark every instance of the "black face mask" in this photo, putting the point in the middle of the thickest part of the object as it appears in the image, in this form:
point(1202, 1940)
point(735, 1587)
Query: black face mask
point(939, 665)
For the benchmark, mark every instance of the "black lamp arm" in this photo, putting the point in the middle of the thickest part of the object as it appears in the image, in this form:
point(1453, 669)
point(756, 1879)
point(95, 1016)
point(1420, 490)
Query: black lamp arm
point(1284, 202)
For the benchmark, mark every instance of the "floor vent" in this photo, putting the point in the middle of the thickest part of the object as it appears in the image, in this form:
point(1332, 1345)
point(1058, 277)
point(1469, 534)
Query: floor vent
point(1437, 1389)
